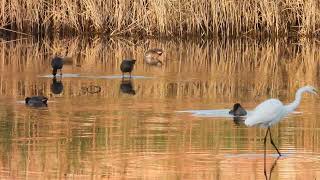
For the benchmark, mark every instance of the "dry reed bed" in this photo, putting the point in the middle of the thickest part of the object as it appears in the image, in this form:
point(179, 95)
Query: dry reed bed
point(168, 18)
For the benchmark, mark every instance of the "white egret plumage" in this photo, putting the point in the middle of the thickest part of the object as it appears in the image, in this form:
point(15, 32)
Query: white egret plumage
point(272, 111)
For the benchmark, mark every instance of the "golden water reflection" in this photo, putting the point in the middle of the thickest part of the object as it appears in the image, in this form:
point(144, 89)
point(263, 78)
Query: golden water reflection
point(94, 129)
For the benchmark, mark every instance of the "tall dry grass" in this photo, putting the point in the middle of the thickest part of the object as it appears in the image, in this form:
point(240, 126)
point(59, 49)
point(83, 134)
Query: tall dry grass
point(168, 18)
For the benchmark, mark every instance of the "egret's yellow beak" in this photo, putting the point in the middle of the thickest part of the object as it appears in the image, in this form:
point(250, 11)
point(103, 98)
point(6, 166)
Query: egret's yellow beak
point(315, 92)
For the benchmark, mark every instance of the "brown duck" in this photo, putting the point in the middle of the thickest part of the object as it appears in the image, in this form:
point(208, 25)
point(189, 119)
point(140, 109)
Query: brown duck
point(152, 55)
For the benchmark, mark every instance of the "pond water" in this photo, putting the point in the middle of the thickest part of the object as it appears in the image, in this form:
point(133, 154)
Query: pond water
point(97, 126)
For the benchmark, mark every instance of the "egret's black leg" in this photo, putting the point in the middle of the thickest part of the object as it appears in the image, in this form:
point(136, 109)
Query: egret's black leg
point(264, 159)
point(273, 143)
point(265, 137)
point(130, 75)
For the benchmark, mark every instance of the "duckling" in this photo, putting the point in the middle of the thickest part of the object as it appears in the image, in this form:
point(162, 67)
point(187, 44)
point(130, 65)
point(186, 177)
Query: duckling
point(36, 101)
point(126, 87)
point(152, 55)
point(127, 66)
point(238, 110)
point(56, 86)
point(56, 63)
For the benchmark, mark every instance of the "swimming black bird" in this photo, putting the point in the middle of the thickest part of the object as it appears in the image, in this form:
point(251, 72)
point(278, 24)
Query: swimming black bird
point(238, 110)
point(56, 86)
point(56, 63)
point(127, 66)
point(36, 101)
point(126, 87)
point(152, 55)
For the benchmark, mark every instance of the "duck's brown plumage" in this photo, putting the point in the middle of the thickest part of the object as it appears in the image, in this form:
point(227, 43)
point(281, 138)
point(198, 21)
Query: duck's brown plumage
point(152, 55)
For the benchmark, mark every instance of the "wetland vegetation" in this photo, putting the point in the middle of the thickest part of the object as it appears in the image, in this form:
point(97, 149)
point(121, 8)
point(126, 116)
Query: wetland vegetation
point(169, 18)
point(214, 53)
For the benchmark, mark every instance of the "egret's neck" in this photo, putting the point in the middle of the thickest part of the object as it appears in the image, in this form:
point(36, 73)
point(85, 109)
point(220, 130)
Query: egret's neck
point(292, 106)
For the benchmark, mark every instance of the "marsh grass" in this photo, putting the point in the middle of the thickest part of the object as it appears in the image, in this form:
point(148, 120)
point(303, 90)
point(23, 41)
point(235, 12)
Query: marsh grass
point(166, 18)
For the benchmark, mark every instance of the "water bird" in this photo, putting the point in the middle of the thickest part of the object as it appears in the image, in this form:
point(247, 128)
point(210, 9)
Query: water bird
point(36, 101)
point(272, 111)
point(152, 55)
point(238, 110)
point(126, 87)
point(56, 63)
point(56, 86)
point(127, 66)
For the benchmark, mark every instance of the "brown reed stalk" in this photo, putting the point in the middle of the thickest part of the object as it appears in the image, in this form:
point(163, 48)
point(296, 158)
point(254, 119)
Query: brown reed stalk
point(167, 18)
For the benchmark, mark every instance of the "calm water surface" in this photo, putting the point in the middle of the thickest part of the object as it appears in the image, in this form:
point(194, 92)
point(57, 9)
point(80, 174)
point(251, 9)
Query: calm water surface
point(97, 127)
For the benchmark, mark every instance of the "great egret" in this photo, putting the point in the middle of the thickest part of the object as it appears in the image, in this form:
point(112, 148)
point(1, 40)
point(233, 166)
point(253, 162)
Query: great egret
point(272, 111)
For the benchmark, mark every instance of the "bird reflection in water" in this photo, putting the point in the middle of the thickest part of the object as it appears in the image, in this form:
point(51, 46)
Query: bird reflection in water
point(56, 86)
point(238, 120)
point(126, 87)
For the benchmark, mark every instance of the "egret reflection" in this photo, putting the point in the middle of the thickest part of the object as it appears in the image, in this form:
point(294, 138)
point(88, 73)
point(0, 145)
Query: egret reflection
point(265, 165)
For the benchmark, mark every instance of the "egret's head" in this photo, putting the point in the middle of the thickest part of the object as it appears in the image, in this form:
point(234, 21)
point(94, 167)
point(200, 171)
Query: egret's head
point(311, 90)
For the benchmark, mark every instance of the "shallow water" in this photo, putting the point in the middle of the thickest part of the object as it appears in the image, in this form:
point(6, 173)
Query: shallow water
point(103, 128)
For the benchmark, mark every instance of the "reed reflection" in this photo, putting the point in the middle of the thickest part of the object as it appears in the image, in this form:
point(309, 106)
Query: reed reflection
point(249, 69)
